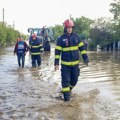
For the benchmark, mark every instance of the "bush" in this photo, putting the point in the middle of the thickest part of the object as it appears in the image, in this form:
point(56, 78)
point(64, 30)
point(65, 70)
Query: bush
point(8, 35)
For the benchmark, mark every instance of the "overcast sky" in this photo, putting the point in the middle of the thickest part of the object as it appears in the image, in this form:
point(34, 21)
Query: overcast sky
point(36, 13)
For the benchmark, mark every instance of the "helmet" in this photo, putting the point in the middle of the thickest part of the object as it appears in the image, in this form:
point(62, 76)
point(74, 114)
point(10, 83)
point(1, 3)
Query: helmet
point(68, 23)
point(34, 35)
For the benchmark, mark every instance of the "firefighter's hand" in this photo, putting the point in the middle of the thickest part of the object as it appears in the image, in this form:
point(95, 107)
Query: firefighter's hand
point(56, 67)
point(41, 51)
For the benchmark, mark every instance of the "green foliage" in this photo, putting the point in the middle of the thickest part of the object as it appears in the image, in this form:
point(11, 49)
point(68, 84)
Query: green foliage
point(117, 32)
point(82, 26)
point(101, 32)
point(57, 30)
point(115, 9)
point(8, 35)
point(83, 36)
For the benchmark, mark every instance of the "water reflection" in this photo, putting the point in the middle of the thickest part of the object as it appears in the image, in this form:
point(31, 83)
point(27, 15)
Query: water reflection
point(105, 68)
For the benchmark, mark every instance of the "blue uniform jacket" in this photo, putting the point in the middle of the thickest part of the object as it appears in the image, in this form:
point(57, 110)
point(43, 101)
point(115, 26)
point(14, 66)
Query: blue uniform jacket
point(68, 48)
point(35, 46)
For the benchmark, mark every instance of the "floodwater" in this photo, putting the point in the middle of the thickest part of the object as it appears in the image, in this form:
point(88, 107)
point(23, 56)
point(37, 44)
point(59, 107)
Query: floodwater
point(34, 93)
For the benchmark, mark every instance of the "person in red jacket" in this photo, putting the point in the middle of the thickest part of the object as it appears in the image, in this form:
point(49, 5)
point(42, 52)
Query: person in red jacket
point(20, 50)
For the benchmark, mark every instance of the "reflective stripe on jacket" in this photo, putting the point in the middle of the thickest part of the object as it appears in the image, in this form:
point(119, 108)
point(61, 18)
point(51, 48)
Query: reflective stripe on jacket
point(36, 46)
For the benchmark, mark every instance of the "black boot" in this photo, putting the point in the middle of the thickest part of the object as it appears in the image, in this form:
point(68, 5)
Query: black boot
point(34, 65)
point(19, 65)
point(22, 65)
point(66, 96)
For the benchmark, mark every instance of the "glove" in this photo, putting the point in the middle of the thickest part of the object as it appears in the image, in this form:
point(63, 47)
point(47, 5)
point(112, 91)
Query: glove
point(41, 51)
point(86, 62)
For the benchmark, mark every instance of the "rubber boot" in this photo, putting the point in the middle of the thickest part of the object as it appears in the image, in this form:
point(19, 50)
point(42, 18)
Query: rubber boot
point(22, 65)
point(66, 96)
point(34, 65)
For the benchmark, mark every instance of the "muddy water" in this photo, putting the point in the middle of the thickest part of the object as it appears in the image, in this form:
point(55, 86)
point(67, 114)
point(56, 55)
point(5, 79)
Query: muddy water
point(33, 94)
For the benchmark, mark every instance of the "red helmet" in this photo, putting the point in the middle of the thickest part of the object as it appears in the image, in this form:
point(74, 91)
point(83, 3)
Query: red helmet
point(68, 23)
point(34, 35)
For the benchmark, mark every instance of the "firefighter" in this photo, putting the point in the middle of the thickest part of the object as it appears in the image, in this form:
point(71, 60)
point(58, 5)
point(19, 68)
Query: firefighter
point(20, 50)
point(68, 48)
point(35, 48)
point(46, 44)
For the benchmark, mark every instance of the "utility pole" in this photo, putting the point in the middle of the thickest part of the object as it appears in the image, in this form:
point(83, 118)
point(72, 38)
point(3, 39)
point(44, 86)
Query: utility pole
point(3, 16)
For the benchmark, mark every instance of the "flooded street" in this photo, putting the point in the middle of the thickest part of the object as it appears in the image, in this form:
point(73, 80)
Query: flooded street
point(31, 93)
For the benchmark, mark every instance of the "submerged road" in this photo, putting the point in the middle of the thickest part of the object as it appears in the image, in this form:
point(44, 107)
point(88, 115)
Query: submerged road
point(31, 93)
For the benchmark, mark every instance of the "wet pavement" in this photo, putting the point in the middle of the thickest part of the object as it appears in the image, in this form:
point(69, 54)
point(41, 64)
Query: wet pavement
point(31, 93)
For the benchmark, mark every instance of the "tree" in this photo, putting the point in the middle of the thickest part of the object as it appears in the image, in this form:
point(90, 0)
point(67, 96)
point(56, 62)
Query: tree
point(57, 30)
point(82, 26)
point(8, 35)
point(115, 10)
point(101, 32)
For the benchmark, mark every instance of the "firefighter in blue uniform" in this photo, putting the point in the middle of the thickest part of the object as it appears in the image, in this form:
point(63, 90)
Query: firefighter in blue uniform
point(35, 49)
point(46, 44)
point(68, 48)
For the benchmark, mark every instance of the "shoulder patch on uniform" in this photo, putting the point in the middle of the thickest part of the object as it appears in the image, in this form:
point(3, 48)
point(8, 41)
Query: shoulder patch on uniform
point(65, 39)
